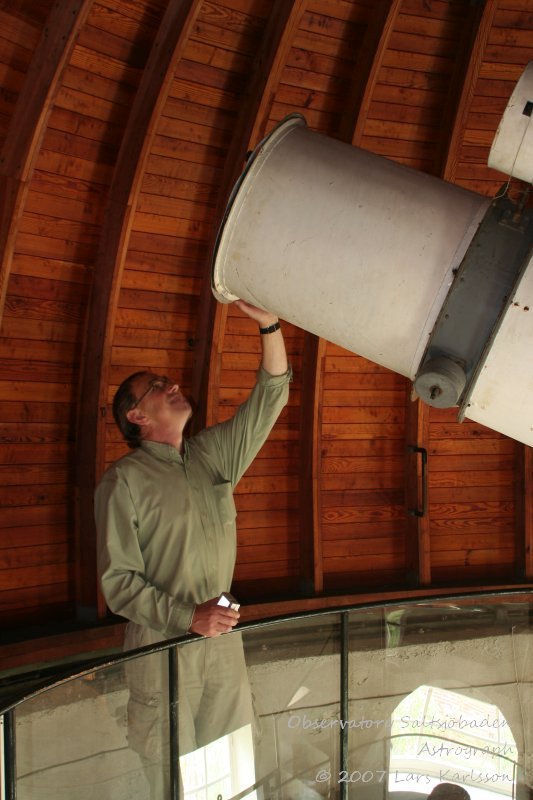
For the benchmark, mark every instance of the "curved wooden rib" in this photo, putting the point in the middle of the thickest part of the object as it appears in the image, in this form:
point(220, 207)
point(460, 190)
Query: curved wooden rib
point(377, 38)
point(310, 460)
point(28, 124)
point(255, 104)
point(375, 43)
point(448, 170)
point(418, 540)
point(167, 50)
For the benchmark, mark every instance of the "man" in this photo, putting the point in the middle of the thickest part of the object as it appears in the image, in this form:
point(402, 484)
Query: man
point(167, 544)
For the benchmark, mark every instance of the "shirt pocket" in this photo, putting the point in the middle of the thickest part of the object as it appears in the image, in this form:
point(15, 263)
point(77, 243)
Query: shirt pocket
point(225, 504)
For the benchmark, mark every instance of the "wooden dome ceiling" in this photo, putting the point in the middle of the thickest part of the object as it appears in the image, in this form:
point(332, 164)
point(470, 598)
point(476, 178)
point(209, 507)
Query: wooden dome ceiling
point(124, 126)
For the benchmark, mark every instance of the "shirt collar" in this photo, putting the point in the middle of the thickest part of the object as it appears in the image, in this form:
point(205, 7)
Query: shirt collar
point(166, 452)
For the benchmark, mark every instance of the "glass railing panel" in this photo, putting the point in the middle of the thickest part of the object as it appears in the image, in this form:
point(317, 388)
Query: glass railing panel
point(261, 716)
point(426, 694)
point(90, 738)
point(440, 693)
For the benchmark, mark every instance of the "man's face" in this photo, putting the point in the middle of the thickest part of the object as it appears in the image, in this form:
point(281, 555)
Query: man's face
point(161, 409)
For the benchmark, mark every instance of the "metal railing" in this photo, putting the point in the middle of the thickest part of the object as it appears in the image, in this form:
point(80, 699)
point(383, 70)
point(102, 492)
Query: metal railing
point(335, 643)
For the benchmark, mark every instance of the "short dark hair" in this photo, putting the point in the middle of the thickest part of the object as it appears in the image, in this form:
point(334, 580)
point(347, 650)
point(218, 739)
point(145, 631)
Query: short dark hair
point(448, 791)
point(123, 401)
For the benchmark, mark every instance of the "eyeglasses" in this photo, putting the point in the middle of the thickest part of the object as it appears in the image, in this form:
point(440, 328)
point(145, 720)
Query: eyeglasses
point(157, 384)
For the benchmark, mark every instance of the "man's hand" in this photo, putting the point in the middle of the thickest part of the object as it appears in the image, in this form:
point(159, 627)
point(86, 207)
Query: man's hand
point(274, 355)
point(263, 318)
point(210, 619)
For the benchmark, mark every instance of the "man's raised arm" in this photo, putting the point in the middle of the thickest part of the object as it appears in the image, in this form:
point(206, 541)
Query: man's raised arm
point(274, 358)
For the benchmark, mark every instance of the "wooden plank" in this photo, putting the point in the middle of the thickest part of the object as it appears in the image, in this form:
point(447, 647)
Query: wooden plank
point(268, 518)
point(356, 548)
point(471, 540)
point(268, 554)
point(28, 125)
point(369, 530)
point(24, 557)
point(27, 432)
point(354, 13)
point(268, 570)
point(339, 360)
point(367, 463)
point(326, 26)
point(27, 577)
point(113, 17)
point(441, 447)
point(471, 478)
point(362, 480)
point(260, 502)
point(362, 514)
point(36, 515)
point(167, 50)
point(333, 434)
point(247, 538)
point(40, 604)
point(362, 565)
point(466, 558)
point(66, 121)
point(359, 496)
point(65, 143)
point(471, 510)
point(465, 494)
point(335, 460)
point(359, 413)
point(31, 535)
point(33, 474)
point(355, 381)
point(459, 430)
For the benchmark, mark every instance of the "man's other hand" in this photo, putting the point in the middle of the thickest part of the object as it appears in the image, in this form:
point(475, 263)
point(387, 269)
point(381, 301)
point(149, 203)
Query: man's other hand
point(210, 619)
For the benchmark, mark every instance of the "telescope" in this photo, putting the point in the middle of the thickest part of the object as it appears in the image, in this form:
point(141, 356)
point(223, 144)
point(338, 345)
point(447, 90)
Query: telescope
point(421, 276)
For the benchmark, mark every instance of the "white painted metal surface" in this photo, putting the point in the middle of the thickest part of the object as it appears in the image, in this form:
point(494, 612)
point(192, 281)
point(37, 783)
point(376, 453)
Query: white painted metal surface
point(345, 244)
point(512, 148)
point(502, 398)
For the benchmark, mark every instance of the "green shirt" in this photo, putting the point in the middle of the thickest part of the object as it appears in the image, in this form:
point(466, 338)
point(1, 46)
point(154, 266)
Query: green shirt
point(167, 523)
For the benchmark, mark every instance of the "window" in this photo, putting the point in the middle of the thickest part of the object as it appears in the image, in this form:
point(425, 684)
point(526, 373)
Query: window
point(441, 736)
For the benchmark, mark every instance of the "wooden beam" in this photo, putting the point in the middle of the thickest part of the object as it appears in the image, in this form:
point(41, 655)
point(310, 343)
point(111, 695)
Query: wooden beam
point(167, 50)
point(524, 511)
point(312, 568)
point(470, 76)
point(418, 542)
point(28, 124)
point(252, 120)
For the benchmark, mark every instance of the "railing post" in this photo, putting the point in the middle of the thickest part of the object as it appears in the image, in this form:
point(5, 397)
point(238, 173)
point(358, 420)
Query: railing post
point(173, 723)
point(343, 767)
point(10, 777)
